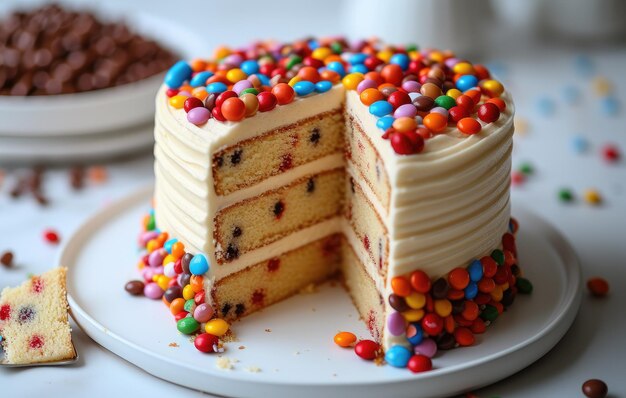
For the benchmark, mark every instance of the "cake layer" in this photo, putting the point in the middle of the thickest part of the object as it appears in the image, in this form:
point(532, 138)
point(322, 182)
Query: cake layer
point(251, 161)
point(363, 291)
point(277, 278)
point(258, 221)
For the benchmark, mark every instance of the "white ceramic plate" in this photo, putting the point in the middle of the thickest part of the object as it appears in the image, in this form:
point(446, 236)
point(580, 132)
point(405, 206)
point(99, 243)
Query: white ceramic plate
point(291, 342)
point(99, 110)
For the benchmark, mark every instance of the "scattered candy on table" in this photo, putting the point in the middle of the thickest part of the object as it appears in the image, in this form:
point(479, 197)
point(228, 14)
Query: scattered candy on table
point(595, 388)
point(546, 106)
point(611, 153)
point(566, 195)
point(598, 287)
point(6, 259)
point(592, 197)
point(579, 144)
point(51, 236)
point(345, 339)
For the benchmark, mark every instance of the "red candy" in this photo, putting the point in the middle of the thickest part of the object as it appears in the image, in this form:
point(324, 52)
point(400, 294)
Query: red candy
point(464, 337)
point(459, 278)
point(233, 109)
point(478, 326)
point(180, 315)
point(420, 282)
point(398, 98)
point(224, 96)
point(497, 102)
point(432, 324)
point(406, 143)
point(488, 113)
point(420, 363)
point(392, 73)
point(367, 349)
point(610, 153)
point(267, 101)
point(466, 102)
point(284, 93)
point(457, 113)
point(192, 102)
point(205, 342)
point(171, 92)
point(469, 126)
point(598, 287)
point(489, 266)
point(51, 236)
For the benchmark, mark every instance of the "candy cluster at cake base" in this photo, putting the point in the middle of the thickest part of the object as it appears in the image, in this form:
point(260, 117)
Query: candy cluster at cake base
point(428, 314)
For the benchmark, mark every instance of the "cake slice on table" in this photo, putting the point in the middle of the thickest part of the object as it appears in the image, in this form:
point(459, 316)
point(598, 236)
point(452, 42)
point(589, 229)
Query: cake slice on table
point(33, 320)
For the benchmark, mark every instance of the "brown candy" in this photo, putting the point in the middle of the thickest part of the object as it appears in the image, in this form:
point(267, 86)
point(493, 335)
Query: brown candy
point(440, 289)
point(595, 388)
point(398, 303)
point(134, 287)
point(7, 258)
point(424, 103)
point(431, 90)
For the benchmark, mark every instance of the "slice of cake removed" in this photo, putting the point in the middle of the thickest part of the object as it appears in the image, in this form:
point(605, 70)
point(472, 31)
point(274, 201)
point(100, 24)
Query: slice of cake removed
point(33, 320)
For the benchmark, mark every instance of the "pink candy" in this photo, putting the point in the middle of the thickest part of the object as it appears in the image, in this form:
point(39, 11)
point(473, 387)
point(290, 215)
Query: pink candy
point(203, 313)
point(396, 324)
point(427, 347)
point(153, 291)
point(155, 258)
point(198, 115)
point(411, 86)
point(145, 237)
point(241, 85)
point(406, 110)
point(365, 84)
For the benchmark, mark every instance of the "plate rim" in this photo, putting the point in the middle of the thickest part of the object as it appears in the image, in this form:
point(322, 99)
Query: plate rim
point(568, 307)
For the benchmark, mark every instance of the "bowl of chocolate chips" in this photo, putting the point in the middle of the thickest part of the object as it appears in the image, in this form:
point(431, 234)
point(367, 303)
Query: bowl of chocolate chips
point(69, 72)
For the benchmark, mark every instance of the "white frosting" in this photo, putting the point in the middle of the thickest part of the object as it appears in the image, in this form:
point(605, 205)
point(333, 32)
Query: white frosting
point(448, 204)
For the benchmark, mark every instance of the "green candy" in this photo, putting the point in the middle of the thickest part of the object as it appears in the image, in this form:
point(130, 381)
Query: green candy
point(445, 101)
point(293, 61)
point(250, 90)
point(151, 224)
point(498, 256)
point(411, 47)
point(490, 313)
point(336, 47)
point(187, 325)
point(565, 195)
point(524, 286)
point(526, 169)
point(189, 305)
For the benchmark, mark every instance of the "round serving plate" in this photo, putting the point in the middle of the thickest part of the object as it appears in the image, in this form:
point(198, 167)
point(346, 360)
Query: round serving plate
point(287, 350)
point(101, 110)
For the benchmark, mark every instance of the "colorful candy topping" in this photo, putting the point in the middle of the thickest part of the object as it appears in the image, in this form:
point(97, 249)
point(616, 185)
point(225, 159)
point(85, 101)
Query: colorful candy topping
point(345, 339)
point(427, 90)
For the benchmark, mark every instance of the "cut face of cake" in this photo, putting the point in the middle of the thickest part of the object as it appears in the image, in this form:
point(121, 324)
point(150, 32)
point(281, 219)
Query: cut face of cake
point(387, 165)
point(34, 322)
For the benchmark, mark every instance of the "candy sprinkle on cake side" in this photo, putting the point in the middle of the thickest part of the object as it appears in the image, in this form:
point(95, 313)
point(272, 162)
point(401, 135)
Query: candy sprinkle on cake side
point(34, 322)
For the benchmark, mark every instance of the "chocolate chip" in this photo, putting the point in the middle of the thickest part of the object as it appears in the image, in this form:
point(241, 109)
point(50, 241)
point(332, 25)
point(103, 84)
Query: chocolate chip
point(26, 314)
point(7, 258)
point(235, 158)
point(310, 185)
point(279, 208)
point(315, 136)
point(237, 232)
point(232, 252)
point(135, 288)
point(219, 161)
point(240, 309)
point(226, 309)
point(440, 289)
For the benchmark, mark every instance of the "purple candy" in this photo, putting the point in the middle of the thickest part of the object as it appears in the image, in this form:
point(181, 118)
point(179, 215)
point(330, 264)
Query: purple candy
point(427, 347)
point(365, 84)
point(241, 85)
point(411, 86)
point(203, 313)
point(184, 93)
point(198, 115)
point(450, 62)
point(234, 59)
point(396, 324)
point(145, 237)
point(406, 110)
point(441, 110)
point(153, 291)
point(156, 257)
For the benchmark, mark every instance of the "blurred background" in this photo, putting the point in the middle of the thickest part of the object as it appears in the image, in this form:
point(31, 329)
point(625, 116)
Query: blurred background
point(563, 61)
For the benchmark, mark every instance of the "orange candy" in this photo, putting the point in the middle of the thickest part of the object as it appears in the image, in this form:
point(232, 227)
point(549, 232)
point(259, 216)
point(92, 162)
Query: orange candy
point(435, 122)
point(459, 278)
point(400, 286)
point(284, 93)
point(474, 94)
point(309, 73)
point(420, 282)
point(345, 339)
point(178, 249)
point(486, 285)
point(469, 126)
point(464, 337)
point(370, 95)
point(497, 102)
point(331, 76)
point(375, 76)
point(177, 306)
point(392, 73)
point(470, 310)
point(197, 283)
point(233, 109)
point(403, 124)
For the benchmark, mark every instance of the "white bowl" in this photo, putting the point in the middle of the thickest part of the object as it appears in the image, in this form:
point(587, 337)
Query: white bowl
point(99, 110)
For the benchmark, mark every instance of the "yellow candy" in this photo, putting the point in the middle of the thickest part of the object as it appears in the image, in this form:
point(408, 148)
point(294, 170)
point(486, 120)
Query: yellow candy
point(463, 68)
point(188, 292)
point(504, 286)
point(352, 80)
point(413, 315)
point(415, 300)
point(385, 55)
point(169, 259)
point(222, 52)
point(178, 101)
point(294, 80)
point(152, 245)
point(493, 86)
point(140, 264)
point(454, 93)
point(216, 327)
point(436, 56)
point(592, 197)
point(321, 53)
point(443, 308)
point(162, 281)
point(496, 294)
point(602, 86)
point(234, 75)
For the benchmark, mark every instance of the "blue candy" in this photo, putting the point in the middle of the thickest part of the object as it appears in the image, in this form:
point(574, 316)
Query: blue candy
point(337, 66)
point(199, 265)
point(359, 69)
point(168, 245)
point(200, 78)
point(381, 108)
point(398, 356)
point(216, 87)
point(466, 82)
point(177, 74)
point(471, 290)
point(475, 270)
point(385, 122)
point(323, 86)
point(610, 106)
point(579, 144)
point(400, 59)
point(304, 87)
point(571, 95)
point(264, 79)
point(414, 333)
point(546, 106)
point(249, 67)
point(357, 58)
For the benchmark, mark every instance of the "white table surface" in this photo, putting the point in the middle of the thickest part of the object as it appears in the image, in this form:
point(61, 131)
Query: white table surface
point(593, 348)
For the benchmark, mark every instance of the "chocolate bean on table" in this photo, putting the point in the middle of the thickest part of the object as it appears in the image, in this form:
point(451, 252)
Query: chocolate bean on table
point(53, 50)
point(595, 388)
point(6, 258)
